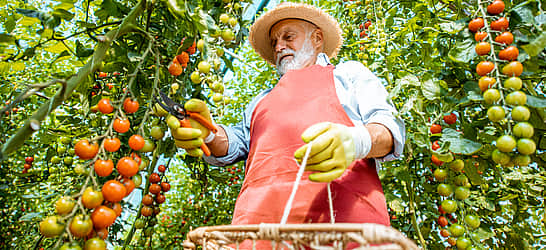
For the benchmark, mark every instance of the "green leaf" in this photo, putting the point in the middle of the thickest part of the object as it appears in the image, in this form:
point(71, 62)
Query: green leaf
point(10, 24)
point(30, 217)
point(536, 46)
point(203, 21)
point(57, 48)
point(6, 38)
point(463, 51)
point(484, 233)
point(451, 27)
point(536, 102)
point(62, 13)
point(17, 66)
point(81, 51)
point(541, 19)
point(458, 144)
point(431, 89)
point(523, 14)
point(108, 8)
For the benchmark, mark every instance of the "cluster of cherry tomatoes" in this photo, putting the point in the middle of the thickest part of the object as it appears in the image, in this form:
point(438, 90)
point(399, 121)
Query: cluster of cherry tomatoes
point(516, 145)
point(89, 213)
point(156, 193)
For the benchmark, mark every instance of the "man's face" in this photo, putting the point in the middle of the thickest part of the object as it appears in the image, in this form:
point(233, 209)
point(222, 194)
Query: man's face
point(293, 44)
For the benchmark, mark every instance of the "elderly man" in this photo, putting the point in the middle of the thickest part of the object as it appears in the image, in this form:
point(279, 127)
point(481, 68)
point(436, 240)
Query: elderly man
point(341, 111)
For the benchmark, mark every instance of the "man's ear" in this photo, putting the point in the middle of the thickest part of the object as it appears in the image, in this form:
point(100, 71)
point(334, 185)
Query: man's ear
point(317, 38)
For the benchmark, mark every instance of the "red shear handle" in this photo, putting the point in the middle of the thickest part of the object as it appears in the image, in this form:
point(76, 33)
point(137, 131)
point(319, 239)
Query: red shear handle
point(199, 118)
point(186, 124)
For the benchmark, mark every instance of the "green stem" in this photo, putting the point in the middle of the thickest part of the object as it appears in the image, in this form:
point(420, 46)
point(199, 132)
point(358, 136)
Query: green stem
point(32, 124)
point(414, 217)
point(150, 169)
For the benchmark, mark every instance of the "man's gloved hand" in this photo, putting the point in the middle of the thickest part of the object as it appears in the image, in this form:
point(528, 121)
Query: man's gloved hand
point(334, 147)
point(191, 139)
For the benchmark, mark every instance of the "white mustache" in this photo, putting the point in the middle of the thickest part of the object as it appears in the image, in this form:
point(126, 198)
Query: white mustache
point(284, 53)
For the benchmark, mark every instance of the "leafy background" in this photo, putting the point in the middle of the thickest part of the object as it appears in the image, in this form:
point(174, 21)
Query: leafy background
point(52, 54)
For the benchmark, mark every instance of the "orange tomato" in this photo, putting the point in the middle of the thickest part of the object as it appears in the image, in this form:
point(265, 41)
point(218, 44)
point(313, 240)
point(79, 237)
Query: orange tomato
point(121, 125)
point(127, 167)
point(105, 106)
point(509, 53)
point(130, 106)
point(113, 191)
point(483, 48)
point(112, 144)
point(484, 67)
point(476, 24)
point(103, 217)
point(505, 38)
point(86, 150)
point(136, 142)
point(104, 167)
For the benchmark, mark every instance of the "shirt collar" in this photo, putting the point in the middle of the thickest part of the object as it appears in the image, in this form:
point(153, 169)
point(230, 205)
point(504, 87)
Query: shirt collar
point(322, 59)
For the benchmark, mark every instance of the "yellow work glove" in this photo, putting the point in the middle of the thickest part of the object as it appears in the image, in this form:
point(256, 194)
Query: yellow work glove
point(333, 148)
point(191, 139)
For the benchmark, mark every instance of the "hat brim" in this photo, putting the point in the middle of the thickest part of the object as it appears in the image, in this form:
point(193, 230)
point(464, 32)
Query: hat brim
point(259, 32)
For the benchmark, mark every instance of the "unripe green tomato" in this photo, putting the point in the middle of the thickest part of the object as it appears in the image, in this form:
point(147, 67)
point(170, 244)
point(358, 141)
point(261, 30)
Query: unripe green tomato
point(140, 223)
point(149, 146)
point(68, 160)
point(523, 129)
point(217, 97)
point(56, 159)
point(228, 35)
point(80, 170)
point(491, 96)
point(50, 226)
point(506, 143)
point(71, 151)
point(237, 6)
point(463, 243)
point(65, 140)
point(70, 246)
point(456, 230)
point(514, 83)
point(218, 87)
point(195, 77)
point(233, 22)
point(94, 244)
point(526, 146)
point(520, 113)
point(224, 18)
point(461, 193)
point(499, 157)
point(495, 113)
point(200, 45)
point(219, 51)
point(445, 190)
point(137, 179)
point(157, 132)
point(456, 165)
point(516, 98)
point(449, 206)
point(61, 149)
point(64, 205)
point(143, 164)
point(204, 67)
point(440, 174)
point(522, 160)
point(472, 221)
point(461, 180)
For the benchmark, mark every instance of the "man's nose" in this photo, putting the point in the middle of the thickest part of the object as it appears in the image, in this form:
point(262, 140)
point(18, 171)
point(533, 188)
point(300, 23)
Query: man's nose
point(280, 46)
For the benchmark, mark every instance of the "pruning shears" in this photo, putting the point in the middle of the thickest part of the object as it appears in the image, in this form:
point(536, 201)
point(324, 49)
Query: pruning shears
point(177, 110)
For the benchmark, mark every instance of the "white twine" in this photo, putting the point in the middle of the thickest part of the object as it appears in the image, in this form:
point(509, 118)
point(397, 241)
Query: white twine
point(288, 206)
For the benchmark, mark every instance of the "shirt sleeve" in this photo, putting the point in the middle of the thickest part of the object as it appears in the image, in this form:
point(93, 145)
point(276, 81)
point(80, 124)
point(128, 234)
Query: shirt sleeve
point(238, 137)
point(364, 98)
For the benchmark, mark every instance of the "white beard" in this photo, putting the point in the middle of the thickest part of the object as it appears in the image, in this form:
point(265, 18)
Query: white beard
point(297, 61)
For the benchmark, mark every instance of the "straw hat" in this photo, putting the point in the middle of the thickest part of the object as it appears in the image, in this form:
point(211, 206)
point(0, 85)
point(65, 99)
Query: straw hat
point(259, 32)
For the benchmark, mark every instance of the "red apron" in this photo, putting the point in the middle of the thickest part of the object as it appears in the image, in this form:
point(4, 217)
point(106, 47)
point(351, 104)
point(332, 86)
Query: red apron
point(300, 99)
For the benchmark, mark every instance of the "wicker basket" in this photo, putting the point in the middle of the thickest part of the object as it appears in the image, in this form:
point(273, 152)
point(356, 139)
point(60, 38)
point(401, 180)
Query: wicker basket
point(300, 236)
